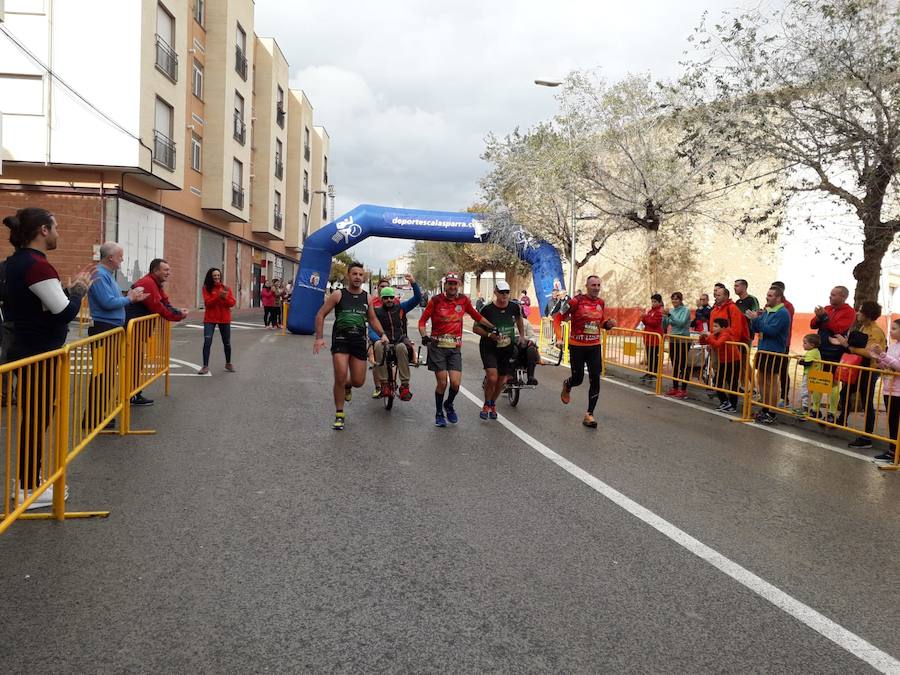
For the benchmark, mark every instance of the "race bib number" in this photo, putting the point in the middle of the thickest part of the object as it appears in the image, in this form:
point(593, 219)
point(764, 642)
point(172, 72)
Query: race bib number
point(504, 341)
point(592, 328)
point(446, 342)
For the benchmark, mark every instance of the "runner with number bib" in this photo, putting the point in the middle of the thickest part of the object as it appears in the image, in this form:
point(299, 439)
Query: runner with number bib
point(446, 311)
point(498, 348)
point(587, 314)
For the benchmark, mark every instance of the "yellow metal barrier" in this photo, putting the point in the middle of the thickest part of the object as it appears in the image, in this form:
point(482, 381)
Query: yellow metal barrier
point(635, 350)
point(59, 401)
point(146, 360)
point(548, 339)
point(731, 380)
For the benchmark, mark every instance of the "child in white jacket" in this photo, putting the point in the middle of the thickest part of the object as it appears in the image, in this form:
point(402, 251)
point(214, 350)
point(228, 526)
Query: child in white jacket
point(890, 360)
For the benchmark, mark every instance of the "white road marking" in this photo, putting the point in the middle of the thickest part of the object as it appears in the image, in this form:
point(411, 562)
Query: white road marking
point(233, 325)
point(843, 638)
point(193, 366)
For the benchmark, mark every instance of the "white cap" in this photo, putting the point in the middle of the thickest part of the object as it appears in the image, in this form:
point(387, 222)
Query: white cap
point(502, 286)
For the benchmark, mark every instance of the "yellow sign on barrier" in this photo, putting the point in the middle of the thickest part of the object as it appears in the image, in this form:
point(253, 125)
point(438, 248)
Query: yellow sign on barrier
point(629, 348)
point(819, 381)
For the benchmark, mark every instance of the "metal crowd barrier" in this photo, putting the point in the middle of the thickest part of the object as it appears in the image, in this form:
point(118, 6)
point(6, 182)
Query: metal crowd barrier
point(59, 401)
point(147, 344)
point(548, 338)
point(84, 317)
point(636, 350)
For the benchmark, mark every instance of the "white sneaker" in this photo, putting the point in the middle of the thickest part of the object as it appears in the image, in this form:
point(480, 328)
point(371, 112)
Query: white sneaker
point(42, 502)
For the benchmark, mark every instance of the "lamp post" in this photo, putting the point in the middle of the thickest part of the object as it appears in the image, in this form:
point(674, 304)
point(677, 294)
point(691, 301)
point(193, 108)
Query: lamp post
point(556, 83)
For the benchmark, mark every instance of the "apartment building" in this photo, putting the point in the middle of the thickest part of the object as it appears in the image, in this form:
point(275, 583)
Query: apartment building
point(189, 144)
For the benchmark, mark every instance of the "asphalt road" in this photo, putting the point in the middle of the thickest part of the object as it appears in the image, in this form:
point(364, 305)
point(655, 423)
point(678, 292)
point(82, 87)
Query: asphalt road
point(248, 536)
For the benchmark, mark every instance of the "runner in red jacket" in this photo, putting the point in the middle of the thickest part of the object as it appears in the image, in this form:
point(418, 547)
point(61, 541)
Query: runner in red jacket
point(587, 316)
point(218, 301)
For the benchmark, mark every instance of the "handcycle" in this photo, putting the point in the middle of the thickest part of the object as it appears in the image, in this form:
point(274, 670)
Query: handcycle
point(389, 385)
point(518, 381)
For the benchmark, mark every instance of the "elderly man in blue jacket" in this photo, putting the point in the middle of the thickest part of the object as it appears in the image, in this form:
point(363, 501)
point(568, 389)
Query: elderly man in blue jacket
point(773, 324)
point(104, 297)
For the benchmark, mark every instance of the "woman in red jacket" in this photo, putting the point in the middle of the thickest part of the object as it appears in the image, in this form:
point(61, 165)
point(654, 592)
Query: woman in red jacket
point(218, 300)
point(653, 327)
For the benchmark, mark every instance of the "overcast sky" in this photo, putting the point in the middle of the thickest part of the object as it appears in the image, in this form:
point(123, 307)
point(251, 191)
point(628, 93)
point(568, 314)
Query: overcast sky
point(408, 90)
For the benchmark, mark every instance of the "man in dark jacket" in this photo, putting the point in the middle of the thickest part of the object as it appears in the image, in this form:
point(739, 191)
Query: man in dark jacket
point(392, 316)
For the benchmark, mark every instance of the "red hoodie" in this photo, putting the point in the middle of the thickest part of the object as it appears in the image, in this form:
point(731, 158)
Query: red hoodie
point(653, 323)
point(218, 309)
point(157, 301)
point(737, 331)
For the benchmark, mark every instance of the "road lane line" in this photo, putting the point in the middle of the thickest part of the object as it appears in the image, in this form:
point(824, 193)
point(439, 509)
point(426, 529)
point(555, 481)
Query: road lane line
point(843, 638)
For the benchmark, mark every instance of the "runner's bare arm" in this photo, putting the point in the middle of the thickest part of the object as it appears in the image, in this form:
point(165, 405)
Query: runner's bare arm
point(426, 314)
point(324, 310)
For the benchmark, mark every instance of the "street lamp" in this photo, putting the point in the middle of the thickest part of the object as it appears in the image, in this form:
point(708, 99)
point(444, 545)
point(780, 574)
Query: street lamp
point(556, 83)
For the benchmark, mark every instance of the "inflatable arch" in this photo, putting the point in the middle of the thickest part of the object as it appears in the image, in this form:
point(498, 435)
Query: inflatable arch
point(367, 220)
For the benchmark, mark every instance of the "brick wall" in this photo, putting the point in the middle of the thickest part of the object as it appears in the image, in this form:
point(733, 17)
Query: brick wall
point(180, 249)
point(78, 219)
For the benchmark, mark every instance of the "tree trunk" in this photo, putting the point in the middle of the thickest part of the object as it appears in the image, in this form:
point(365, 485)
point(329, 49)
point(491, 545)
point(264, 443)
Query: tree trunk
point(868, 272)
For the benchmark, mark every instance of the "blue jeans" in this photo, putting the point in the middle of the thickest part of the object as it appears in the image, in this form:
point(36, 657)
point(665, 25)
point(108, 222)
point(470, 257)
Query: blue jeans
point(225, 332)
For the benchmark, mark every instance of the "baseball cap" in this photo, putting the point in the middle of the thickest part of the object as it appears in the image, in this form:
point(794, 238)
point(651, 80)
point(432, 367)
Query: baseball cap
point(502, 286)
point(451, 276)
point(387, 292)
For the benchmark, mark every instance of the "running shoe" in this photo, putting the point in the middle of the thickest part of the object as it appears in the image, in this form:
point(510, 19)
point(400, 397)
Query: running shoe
point(729, 408)
point(566, 394)
point(532, 382)
point(203, 371)
point(681, 393)
point(493, 412)
point(452, 417)
point(405, 393)
point(338, 422)
point(861, 443)
point(385, 390)
point(378, 393)
point(723, 405)
point(589, 421)
point(229, 367)
point(485, 411)
point(348, 394)
point(440, 421)
point(672, 392)
point(886, 457)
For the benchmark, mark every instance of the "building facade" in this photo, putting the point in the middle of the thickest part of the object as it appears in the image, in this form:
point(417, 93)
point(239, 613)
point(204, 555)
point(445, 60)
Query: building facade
point(189, 145)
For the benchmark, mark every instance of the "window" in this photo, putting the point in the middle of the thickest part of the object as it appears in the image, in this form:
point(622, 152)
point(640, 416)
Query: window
point(306, 143)
point(279, 161)
point(240, 49)
point(277, 215)
point(196, 152)
point(325, 169)
point(279, 107)
point(163, 145)
point(200, 12)
point(22, 94)
point(237, 184)
point(306, 187)
point(305, 226)
point(166, 58)
point(197, 84)
point(240, 128)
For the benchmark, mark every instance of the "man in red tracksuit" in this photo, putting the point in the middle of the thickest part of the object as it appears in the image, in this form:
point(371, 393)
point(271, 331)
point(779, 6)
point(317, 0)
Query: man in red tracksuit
point(157, 302)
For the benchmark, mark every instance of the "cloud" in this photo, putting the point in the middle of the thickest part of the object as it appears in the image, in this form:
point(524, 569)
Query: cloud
point(408, 90)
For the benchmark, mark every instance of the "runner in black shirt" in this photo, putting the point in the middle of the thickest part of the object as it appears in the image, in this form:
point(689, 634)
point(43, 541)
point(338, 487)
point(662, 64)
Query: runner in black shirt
point(498, 347)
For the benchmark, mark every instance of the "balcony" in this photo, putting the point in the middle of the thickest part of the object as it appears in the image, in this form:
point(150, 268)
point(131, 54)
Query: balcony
point(240, 129)
point(306, 152)
point(237, 196)
point(279, 115)
point(240, 62)
point(277, 220)
point(166, 59)
point(279, 168)
point(163, 150)
point(306, 195)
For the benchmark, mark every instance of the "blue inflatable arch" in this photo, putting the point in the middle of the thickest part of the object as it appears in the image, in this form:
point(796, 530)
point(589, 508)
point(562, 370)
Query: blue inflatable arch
point(367, 220)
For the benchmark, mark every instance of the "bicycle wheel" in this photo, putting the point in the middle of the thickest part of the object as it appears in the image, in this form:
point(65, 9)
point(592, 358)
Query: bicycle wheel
point(512, 394)
point(392, 387)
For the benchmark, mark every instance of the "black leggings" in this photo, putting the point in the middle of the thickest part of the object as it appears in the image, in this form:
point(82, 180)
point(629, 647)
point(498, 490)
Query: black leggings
point(225, 332)
point(678, 355)
point(864, 388)
point(892, 405)
point(727, 377)
point(270, 316)
point(592, 357)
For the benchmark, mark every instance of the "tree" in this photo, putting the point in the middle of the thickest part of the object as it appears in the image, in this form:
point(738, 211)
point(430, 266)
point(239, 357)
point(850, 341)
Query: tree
point(615, 147)
point(339, 265)
point(813, 87)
